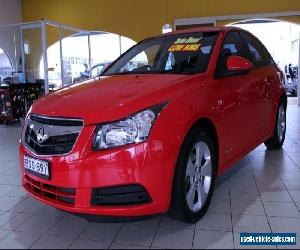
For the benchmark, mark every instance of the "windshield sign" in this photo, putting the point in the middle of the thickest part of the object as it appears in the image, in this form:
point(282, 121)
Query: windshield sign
point(173, 54)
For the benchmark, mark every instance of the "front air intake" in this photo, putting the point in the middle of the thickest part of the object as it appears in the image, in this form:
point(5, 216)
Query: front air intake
point(53, 193)
point(120, 196)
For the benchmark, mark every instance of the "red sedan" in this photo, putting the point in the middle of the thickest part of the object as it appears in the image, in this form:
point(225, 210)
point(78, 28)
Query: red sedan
point(156, 129)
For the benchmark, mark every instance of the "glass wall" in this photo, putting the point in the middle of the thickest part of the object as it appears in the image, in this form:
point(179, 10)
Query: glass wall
point(77, 66)
point(6, 67)
point(33, 51)
point(73, 55)
point(10, 54)
point(54, 65)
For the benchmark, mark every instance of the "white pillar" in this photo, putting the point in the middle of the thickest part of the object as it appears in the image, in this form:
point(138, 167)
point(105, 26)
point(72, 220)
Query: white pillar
point(23, 53)
point(62, 69)
point(44, 44)
point(90, 54)
point(298, 89)
point(120, 45)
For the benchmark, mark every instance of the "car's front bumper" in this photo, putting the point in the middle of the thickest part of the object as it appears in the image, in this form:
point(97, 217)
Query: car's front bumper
point(74, 179)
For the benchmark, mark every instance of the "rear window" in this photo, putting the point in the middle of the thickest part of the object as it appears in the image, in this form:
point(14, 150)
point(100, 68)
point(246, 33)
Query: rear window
point(256, 52)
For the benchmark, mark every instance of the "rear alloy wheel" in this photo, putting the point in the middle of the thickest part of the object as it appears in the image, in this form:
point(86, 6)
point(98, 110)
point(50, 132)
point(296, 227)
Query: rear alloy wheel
point(194, 177)
point(277, 140)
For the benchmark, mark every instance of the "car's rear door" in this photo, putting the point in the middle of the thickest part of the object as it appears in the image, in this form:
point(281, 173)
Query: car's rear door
point(264, 76)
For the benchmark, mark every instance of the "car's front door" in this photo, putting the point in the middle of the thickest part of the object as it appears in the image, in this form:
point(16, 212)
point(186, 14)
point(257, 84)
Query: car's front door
point(234, 96)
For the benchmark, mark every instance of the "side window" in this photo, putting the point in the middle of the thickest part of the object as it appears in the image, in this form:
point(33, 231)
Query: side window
point(256, 53)
point(232, 46)
point(267, 57)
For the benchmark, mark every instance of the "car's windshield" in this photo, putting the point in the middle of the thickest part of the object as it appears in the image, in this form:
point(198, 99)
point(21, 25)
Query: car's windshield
point(187, 53)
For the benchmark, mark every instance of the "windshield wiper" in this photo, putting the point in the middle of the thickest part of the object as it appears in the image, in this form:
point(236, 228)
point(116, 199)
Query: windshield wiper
point(169, 71)
point(120, 73)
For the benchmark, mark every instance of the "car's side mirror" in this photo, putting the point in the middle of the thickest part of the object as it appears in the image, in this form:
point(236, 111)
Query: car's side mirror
point(238, 64)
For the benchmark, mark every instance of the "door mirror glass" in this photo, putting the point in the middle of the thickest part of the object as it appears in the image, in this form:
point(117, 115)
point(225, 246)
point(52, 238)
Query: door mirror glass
point(238, 64)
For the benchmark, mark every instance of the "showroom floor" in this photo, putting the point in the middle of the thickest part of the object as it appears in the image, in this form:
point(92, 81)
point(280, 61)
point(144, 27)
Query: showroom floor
point(260, 194)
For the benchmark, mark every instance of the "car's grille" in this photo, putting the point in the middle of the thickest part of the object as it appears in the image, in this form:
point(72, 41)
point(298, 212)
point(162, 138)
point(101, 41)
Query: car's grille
point(50, 192)
point(51, 136)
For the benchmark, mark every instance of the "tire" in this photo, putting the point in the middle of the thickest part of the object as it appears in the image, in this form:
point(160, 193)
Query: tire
point(192, 174)
point(277, 140)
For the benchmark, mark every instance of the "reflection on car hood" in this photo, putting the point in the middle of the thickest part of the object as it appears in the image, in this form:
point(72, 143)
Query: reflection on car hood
point(112, 98)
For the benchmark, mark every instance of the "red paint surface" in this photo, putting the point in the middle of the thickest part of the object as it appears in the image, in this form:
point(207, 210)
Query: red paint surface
point(242, 108)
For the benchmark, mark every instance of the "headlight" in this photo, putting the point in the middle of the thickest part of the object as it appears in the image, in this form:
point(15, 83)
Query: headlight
point(133, 129)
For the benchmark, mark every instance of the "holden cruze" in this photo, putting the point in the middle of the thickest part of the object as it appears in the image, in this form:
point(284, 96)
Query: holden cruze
point(153, 132)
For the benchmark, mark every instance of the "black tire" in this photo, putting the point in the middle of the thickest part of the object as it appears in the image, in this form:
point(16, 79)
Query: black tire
point(276, 141)
point(179, 206)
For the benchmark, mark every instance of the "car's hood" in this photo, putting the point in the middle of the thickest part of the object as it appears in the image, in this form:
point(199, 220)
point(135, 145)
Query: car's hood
point(112, 98)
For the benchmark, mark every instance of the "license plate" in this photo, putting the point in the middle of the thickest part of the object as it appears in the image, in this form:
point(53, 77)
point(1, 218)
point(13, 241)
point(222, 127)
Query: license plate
point(37, 167)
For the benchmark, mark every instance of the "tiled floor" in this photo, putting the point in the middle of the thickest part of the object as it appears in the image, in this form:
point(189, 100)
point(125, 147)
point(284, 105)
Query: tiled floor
point(260, 194)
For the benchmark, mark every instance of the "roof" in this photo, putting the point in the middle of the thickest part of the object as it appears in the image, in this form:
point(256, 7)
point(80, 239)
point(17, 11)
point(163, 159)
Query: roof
point(201, 29)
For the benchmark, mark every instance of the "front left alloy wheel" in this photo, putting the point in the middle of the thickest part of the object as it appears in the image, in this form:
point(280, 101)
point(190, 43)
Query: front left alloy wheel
point(194, 177)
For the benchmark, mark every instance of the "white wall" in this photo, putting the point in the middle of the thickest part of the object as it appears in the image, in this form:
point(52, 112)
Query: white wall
point(10, 13)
